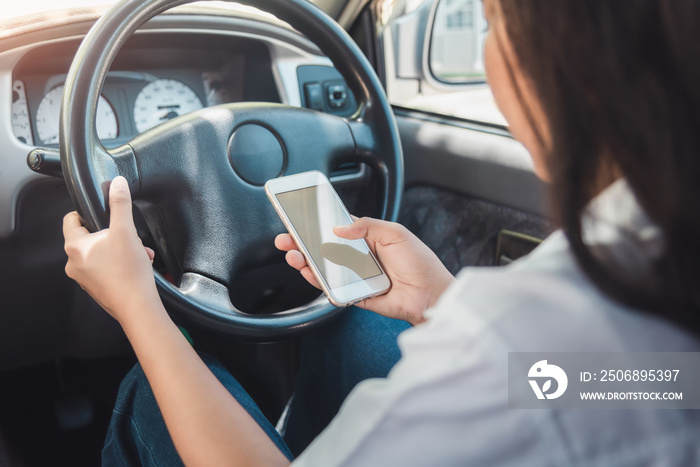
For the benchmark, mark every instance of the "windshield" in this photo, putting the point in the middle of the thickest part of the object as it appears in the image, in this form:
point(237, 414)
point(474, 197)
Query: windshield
point(28, 7)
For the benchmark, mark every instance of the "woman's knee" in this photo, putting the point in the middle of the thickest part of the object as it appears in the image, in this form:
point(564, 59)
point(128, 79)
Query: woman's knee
point(359, 338)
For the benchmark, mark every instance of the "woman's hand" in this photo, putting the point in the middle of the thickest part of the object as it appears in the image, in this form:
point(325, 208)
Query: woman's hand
point(207, 425)
point(417, 276)
point(112, 265)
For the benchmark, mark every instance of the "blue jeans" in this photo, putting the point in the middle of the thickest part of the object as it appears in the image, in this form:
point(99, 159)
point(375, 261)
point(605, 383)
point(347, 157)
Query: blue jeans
point(357, 346)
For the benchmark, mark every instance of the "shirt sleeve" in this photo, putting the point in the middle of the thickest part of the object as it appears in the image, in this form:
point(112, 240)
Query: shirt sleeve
point(444, 403)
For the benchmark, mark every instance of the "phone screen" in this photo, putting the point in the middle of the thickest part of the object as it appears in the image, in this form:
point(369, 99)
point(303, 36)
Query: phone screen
point(313, 212)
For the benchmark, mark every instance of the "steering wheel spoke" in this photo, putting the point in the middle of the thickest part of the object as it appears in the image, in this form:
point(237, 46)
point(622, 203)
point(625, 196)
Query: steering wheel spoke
point(207, 293)
point(371, 147)
point(214, 297)
point(124, 161)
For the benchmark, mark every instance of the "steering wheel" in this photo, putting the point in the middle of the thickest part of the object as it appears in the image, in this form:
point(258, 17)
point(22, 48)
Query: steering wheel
point(193, 178)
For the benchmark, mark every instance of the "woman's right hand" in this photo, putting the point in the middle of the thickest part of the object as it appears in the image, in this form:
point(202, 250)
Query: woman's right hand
point(418, 278)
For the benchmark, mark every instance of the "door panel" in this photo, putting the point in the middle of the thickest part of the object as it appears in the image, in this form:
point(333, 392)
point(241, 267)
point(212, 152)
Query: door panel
point(464, 186)
point(461, 230)
point(478, 163)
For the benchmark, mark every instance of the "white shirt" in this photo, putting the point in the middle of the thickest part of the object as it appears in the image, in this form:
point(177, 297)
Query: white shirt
point(445, 403)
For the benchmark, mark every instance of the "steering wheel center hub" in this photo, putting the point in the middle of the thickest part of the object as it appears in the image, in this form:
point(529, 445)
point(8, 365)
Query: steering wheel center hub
point(256, 153)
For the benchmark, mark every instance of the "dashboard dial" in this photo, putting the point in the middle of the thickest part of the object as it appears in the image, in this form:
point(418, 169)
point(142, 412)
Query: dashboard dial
point(20, 114)
point(163, 100)
point(50, 108)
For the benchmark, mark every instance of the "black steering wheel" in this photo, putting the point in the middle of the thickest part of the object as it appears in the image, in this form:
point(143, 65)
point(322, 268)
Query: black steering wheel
point(193, 178)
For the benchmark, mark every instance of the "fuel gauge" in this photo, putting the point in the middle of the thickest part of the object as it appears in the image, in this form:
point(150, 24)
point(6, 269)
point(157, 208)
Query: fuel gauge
point(20, 114)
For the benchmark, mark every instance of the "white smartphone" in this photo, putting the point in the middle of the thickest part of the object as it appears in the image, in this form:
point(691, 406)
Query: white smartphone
point(309, 207)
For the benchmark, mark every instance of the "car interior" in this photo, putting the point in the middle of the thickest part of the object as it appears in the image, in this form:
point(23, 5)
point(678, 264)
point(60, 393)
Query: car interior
point(368, 97)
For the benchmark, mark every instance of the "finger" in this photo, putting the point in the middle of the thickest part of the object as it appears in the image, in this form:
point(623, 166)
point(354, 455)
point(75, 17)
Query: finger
point(309, 276)
point(73, 226)
point(285, 242)
point(358, 229)
point(120, 204)
point(375, 231)
point(295, 259)
point(151, 254)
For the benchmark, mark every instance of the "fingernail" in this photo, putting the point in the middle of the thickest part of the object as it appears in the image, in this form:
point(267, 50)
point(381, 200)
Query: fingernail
point(120, 184)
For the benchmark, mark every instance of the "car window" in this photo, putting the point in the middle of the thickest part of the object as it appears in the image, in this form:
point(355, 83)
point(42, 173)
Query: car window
point(434, 57)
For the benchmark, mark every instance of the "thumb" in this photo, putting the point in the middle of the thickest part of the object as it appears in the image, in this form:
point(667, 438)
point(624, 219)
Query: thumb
point(120, 204)
point(358, 229)
point(365, 227)
point(375, 231)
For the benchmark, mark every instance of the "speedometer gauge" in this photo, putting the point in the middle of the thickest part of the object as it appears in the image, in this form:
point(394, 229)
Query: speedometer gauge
point(162, 100)
point(50, 108)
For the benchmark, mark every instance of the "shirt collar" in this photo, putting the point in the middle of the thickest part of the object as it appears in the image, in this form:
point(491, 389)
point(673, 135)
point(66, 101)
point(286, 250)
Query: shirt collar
point(615, 222)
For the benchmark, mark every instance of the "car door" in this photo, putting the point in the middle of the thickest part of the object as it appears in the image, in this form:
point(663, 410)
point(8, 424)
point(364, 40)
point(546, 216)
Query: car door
point(470, 193)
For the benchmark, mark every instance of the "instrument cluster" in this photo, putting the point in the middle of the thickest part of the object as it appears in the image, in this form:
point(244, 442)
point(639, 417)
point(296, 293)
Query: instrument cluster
point(153, 79)
point(130, 103)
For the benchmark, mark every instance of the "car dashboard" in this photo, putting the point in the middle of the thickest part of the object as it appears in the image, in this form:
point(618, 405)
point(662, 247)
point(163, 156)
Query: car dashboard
point(189, 58)
point(154, 79)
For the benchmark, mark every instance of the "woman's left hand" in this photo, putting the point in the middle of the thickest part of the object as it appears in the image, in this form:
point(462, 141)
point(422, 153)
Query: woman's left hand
point(207, 425)
point(112, 265)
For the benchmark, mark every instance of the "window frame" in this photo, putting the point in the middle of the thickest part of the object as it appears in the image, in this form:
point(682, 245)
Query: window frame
point(426, 83)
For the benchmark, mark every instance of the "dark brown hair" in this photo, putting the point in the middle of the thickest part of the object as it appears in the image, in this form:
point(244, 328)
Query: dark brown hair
point(619, 83)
